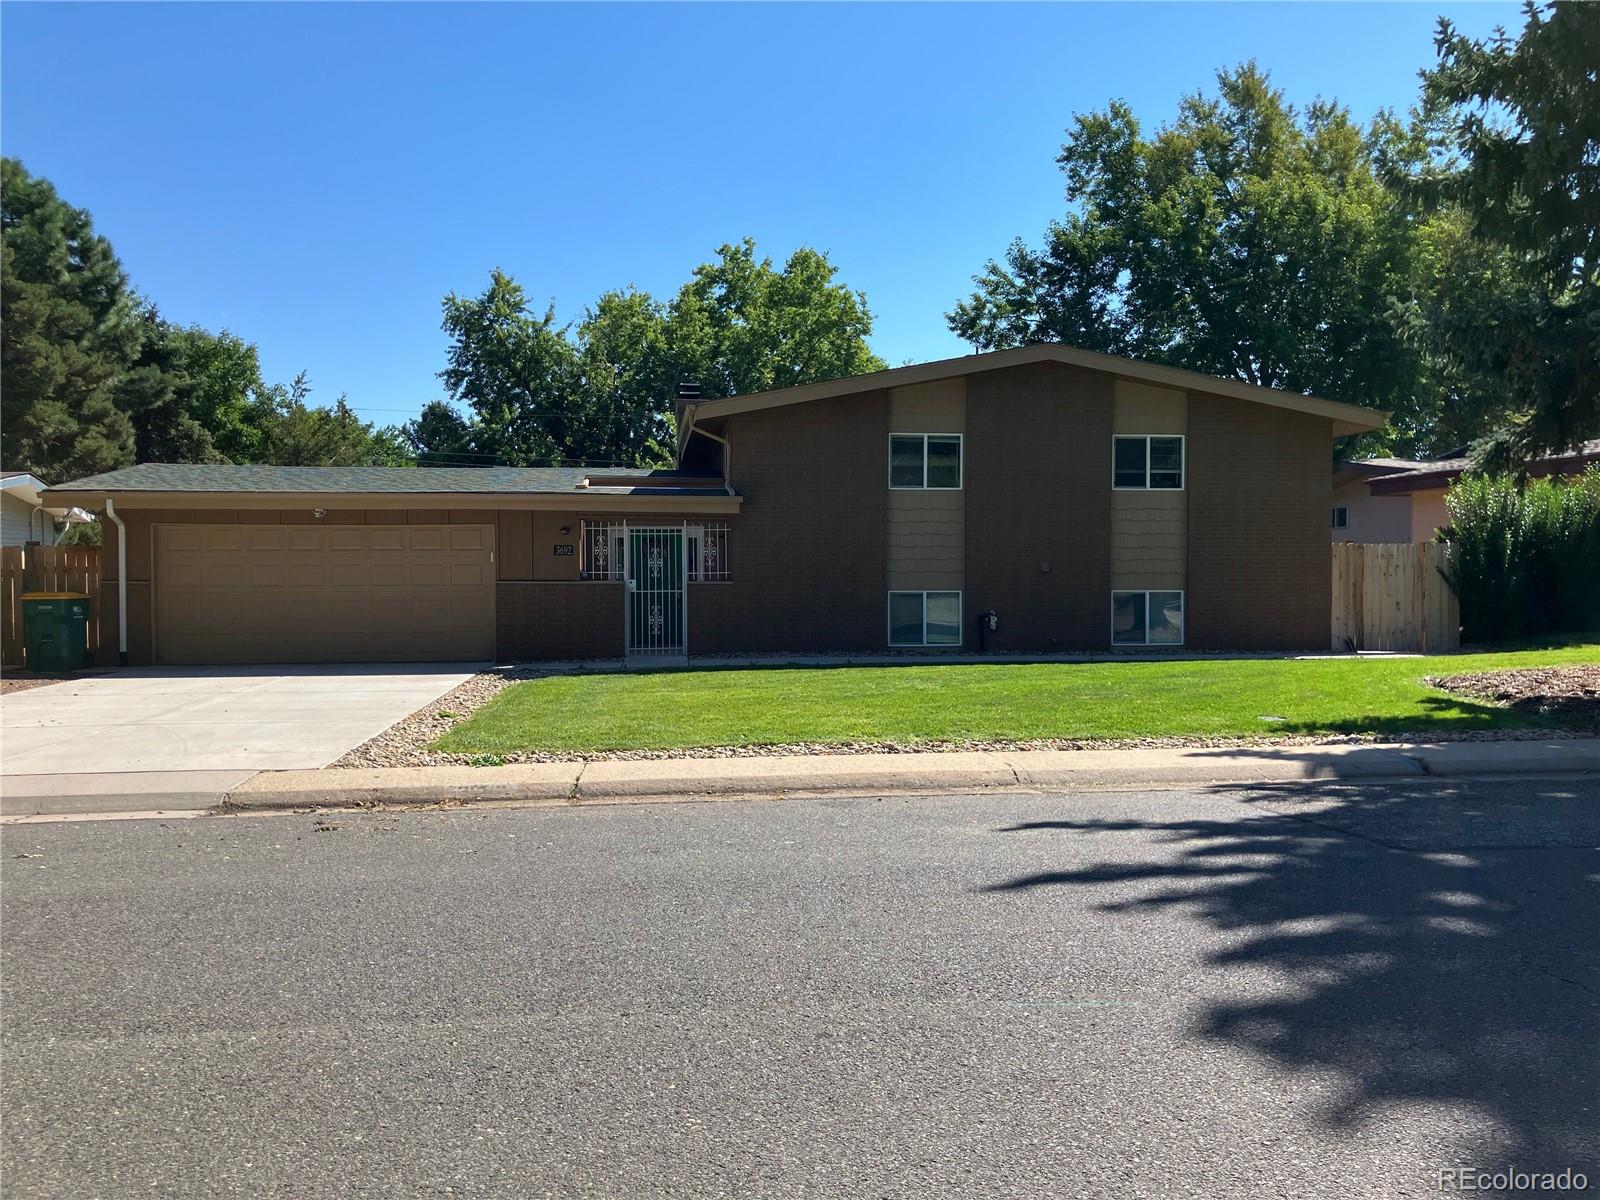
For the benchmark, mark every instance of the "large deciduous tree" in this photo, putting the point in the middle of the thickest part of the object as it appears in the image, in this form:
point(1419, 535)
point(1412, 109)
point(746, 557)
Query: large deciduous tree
point(1245, 239)
point(69, 334)
point(603, 392)
point(191, 394)
point(518, 374)
point(1521, 157)
point(741, 326)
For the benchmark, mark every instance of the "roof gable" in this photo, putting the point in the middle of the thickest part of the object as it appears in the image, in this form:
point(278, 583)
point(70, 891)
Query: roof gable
point(1346, 418)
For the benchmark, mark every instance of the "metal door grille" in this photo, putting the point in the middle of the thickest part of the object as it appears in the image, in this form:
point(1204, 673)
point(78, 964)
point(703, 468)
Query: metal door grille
point(657, 615)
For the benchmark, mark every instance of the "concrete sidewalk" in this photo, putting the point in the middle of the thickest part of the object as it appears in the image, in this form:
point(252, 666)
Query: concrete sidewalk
point(771, 777)
point(775, 776)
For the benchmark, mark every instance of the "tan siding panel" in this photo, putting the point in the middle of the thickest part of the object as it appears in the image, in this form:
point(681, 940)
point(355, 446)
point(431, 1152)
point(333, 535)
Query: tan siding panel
point(926, 543)
point(1149, 543)
point(938, 407)
point(1142, 408)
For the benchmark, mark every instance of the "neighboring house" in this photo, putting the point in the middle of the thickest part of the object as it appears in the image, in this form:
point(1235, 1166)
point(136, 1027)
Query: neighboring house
point(23, 516)
point(1087, 502)
point(1402, 500)
point(1358, 515)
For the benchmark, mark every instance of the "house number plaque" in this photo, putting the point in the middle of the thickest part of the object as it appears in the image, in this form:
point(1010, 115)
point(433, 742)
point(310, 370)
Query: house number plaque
point(563, 549)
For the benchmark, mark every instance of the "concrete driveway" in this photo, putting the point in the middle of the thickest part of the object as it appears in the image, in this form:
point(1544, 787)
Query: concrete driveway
point(198, 730)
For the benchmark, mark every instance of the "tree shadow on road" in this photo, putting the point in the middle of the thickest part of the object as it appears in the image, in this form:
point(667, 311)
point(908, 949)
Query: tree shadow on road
point(1432, 942)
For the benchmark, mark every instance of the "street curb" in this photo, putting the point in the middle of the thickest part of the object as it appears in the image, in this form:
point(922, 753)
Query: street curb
point(770, 777)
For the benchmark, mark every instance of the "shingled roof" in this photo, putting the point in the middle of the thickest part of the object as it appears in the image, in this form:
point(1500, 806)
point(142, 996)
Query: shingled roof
point(228, 478)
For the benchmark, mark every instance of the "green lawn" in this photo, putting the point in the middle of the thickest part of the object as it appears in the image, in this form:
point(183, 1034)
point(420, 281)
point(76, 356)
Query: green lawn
point(1000, 702)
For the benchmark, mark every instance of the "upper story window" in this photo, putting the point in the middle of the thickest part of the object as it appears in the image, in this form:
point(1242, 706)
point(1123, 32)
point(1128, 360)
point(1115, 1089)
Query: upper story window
point(1147, 462)
point(925, 460)
point(1341, 517)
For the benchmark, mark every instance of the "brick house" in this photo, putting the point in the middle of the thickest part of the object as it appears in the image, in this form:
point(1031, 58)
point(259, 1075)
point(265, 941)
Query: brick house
point(1023, 501)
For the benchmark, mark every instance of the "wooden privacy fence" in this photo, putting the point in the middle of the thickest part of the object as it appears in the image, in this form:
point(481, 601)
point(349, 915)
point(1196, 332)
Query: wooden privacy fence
point(45, 569)
point(1394, 597)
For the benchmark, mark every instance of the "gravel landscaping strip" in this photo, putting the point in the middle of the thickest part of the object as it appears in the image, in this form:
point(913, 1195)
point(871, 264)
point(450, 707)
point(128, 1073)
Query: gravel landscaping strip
point(405, 744)
point(22, 681)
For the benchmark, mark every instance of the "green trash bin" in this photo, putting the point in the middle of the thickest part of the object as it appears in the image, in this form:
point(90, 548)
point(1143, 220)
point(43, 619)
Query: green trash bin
point(55, 630)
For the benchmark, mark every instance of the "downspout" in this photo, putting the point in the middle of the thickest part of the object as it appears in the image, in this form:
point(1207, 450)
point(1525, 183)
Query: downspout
point(122, 582)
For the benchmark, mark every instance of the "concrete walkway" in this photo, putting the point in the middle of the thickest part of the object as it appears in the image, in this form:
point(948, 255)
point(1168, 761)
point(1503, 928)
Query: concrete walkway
point(197, 732)
point(772, 777)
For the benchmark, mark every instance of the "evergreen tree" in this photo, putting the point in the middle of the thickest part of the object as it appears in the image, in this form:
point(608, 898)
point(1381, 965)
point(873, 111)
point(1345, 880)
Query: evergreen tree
point(69, 335)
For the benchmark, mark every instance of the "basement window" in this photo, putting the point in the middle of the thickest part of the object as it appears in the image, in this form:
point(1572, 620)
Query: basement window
point(924, 618)
point(1147, 618)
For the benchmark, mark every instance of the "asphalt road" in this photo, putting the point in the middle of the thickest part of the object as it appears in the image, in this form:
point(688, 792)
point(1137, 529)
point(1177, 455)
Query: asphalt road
point(1272, 993)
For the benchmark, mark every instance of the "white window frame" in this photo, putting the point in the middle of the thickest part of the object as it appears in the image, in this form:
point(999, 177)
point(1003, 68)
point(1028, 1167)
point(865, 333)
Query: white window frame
point(1338, 509)
point(1183, 605)
point(961, 447)
point(961, 618)
point(1183, 462)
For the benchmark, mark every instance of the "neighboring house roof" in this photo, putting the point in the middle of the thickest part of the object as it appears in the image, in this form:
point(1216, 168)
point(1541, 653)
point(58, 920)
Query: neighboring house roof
point(148, 481)
point(30, 489)
point(1350, 470)
point(1441, 473)
point(1347, 418)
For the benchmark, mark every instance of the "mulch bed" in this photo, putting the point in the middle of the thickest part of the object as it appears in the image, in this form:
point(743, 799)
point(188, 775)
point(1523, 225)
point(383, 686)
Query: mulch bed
point(1570, 695)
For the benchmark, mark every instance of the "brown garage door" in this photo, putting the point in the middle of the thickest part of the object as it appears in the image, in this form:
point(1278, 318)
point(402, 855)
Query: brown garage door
point(314, 593)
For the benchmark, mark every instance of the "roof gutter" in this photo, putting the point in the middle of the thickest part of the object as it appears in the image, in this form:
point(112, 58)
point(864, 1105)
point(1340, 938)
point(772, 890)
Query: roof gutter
point(122, 582)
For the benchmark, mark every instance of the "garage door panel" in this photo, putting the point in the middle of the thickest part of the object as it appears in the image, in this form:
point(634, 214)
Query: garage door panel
point(430, 573)
point(185, 574)
point(263, 539)
point(225, 575)
point(348, 574)
point(389, 575)
point(290, 593)
point(470, 537)
point(184, 537)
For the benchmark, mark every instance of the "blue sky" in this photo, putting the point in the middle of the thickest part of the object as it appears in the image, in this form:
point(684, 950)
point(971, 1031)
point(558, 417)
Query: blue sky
point(315, 177)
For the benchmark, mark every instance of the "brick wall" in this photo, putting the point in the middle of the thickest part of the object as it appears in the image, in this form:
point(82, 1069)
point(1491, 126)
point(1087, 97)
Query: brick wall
point(1259, 572)
point(553, 620)
point(1038, 482)
point(807, 551)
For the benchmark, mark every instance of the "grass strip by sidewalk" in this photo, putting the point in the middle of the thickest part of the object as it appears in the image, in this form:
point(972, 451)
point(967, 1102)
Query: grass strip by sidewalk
point(996, 702)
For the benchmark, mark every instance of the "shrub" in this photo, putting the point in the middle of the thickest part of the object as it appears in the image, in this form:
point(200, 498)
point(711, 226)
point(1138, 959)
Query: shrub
point(1525, 561)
